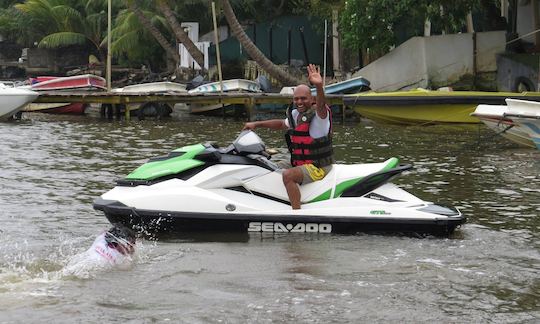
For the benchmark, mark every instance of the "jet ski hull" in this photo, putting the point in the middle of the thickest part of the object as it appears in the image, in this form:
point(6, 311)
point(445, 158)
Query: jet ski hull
point(156, 222)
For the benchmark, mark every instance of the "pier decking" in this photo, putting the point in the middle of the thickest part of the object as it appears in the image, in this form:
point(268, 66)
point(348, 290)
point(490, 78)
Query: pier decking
point(250, 100)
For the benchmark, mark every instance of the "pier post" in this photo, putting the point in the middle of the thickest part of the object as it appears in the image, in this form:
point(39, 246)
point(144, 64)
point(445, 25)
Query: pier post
point(250, 107)
point(107, 110)
point(117, 111)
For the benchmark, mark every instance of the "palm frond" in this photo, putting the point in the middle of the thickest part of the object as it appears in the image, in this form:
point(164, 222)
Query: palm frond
point(95, 25)
point(68, 17)
point(126, 43)
point(62, 39)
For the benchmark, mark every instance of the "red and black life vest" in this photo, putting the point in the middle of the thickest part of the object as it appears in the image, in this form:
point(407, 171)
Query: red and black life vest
point(305, 149)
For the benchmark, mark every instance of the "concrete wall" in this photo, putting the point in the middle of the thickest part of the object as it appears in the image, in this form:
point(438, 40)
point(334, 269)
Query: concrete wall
point(525, 21)
point(448, 57)
point(434, 61)
point(9, 52)
point(489, 45)
point(402, 67)
point(515, 69)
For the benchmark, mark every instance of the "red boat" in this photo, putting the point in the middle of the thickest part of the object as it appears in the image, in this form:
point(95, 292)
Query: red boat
point(76, 82)
point(76, 108)
point(86, 82)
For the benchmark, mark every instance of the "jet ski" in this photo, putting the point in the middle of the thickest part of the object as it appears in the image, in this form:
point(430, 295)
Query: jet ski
point(238, 188)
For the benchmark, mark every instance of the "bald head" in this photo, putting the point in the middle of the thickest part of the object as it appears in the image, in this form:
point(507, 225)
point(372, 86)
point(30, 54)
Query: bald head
point(302, 97)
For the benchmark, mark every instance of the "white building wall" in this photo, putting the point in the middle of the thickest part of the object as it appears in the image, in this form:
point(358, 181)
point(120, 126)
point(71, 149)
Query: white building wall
point(186, 61)
point(192, 30)
point(223, 34)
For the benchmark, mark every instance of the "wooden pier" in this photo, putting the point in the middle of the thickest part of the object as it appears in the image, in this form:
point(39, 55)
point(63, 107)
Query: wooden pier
point(250, 100)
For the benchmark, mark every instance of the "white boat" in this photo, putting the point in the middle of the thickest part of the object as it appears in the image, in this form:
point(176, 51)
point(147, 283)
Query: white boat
point(526, 114)
point(8, 84)
point(12, 100)
point(153, 87)
point(354, 85)
point(152, 109)
point(233, 85)
point(493, 116)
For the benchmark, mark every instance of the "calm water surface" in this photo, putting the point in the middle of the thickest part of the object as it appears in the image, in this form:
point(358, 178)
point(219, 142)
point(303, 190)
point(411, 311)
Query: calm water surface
point(53, 167)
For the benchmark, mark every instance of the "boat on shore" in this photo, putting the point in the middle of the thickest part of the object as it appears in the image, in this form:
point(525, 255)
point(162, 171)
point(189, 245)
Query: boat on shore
point(421, 106)
point(233, 85)
point(152, 87)
point(152, 109)
point(76, 82)
point(350, 86)
point(86, 82)
point(75, 108)
point(13, 99)
point(518, 121)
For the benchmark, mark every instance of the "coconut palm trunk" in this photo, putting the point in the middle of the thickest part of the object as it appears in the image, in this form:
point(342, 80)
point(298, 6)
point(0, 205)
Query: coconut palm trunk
point(179, 32)
point(132, 5)
point(253, 51)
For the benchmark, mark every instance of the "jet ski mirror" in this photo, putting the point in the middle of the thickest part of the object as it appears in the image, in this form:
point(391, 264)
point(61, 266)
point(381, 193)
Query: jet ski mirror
point(248, 142)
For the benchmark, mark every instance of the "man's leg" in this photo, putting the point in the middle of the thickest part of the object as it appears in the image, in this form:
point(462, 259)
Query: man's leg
point(291, 179)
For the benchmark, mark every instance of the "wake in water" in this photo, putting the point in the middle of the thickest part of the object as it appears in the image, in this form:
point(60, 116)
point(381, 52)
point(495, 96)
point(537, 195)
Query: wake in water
point(114, 248)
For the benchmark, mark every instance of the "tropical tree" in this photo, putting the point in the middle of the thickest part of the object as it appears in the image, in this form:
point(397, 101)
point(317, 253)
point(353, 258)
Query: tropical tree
point(375, 24)
point(123, 43)
point(9, 26)
point(132, 43)
point(58, 23)
point(252, 50)
point(179, 32)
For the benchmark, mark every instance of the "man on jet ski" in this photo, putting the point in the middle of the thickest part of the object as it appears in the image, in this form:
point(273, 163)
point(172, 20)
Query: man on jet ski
point(308, 137)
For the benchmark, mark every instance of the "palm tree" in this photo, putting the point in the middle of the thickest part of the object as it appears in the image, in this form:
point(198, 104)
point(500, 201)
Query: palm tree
point(134, 43)
point(252, 50)
point(179, 32)
point(61, 25)
point(147, 24)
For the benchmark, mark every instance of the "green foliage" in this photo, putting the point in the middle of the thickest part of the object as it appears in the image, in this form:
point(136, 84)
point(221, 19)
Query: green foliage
point(132, 44)
point(4, 4)
point(8, 24)
point(318, 8)
point(62, 39)
point(57, 23)
point(375, 24)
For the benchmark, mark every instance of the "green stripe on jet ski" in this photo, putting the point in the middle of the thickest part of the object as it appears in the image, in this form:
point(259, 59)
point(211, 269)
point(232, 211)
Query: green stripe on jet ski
point(156, 169)
point(392, 163)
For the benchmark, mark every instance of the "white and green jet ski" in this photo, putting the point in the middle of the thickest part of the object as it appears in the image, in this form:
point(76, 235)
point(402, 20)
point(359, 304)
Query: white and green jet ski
point(202, 188)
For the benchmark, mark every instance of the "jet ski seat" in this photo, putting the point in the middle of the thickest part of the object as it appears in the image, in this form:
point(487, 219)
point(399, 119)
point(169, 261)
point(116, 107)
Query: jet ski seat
point(374, 180)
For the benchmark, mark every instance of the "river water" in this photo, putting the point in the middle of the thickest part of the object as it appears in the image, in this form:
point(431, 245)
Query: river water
point(53, 167)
